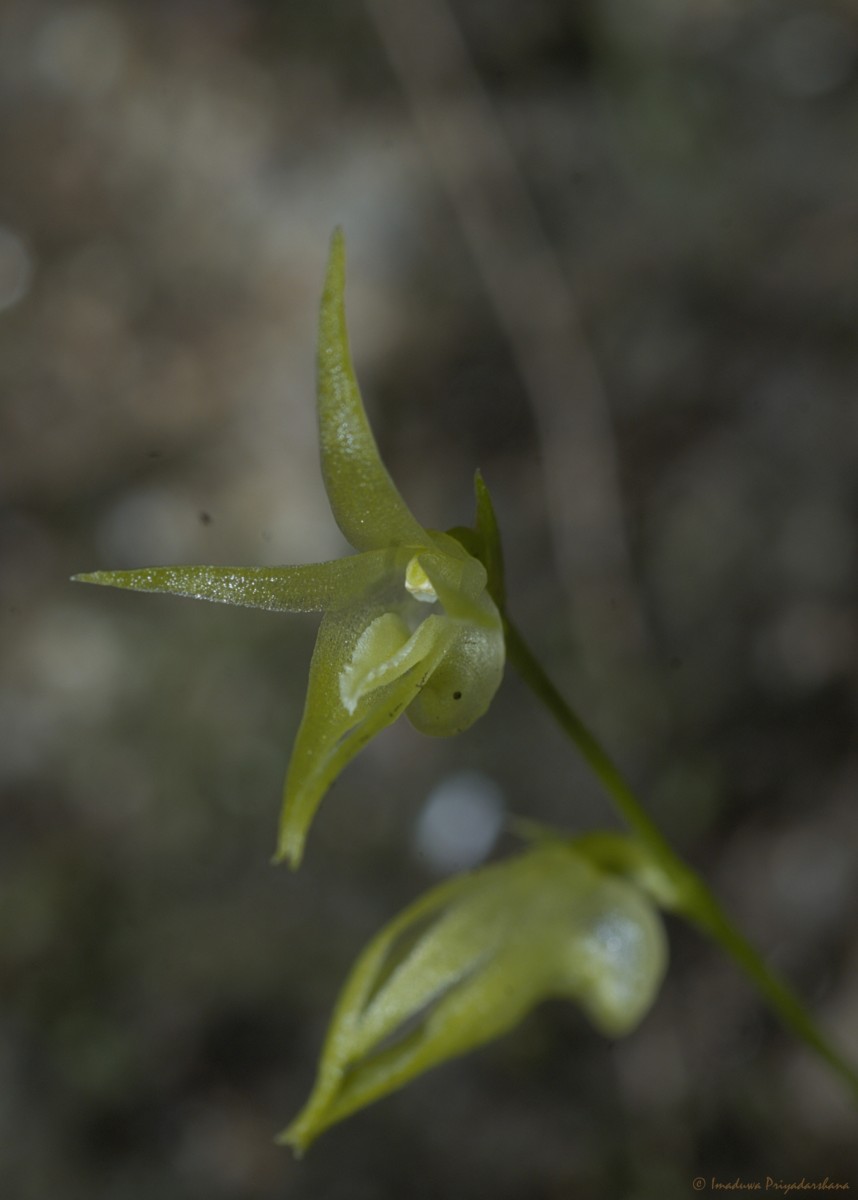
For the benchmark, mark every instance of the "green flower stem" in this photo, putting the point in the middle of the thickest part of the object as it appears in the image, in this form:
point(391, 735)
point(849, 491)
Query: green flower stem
point(692, 897)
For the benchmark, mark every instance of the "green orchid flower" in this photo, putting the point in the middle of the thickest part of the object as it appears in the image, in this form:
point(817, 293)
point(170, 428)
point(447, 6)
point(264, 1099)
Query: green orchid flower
point(409, 623)
point(469, 960)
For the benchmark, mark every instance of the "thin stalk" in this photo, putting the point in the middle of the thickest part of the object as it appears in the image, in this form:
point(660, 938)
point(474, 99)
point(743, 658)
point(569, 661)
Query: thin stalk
point(695, 901)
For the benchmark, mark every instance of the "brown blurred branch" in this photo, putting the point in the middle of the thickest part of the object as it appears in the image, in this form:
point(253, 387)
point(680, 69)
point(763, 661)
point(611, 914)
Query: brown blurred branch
point(532, 300)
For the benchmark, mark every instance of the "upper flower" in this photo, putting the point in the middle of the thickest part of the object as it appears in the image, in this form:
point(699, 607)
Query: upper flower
point(409, 623)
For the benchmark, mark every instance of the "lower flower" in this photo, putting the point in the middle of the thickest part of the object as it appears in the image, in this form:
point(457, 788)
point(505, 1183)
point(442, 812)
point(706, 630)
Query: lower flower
point(467, 962)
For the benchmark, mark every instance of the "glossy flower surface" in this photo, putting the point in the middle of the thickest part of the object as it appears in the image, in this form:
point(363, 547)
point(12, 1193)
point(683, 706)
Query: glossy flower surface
point(409, 624)
point(470, 959)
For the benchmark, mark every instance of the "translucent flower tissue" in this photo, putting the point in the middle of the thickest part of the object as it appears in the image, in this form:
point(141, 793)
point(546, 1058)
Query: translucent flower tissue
point(409, 623)
point(470, 959)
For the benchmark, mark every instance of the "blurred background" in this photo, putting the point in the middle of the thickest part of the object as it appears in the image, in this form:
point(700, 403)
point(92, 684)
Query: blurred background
point(604, 251)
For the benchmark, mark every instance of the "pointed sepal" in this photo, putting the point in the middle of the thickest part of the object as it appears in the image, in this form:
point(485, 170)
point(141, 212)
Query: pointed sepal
point(366, 669)
point(313, 588)
point(364, 499)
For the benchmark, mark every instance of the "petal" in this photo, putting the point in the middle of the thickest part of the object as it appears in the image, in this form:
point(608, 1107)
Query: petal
point(365, 502)
point(378, 1001)
point(482, 1008)
point(483, 542)
point(487, 528)
point(313, 588)
point(460, 586)
point(362, 982)
point(614, 956)
point(330, 735)
point(464, 685)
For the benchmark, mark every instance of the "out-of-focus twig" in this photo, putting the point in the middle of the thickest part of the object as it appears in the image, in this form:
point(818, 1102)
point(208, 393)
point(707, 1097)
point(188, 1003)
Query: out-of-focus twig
point(531, 298)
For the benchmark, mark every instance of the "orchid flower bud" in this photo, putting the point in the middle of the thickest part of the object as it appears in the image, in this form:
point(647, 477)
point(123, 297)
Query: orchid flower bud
point(409, 623)
point(470, 959)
